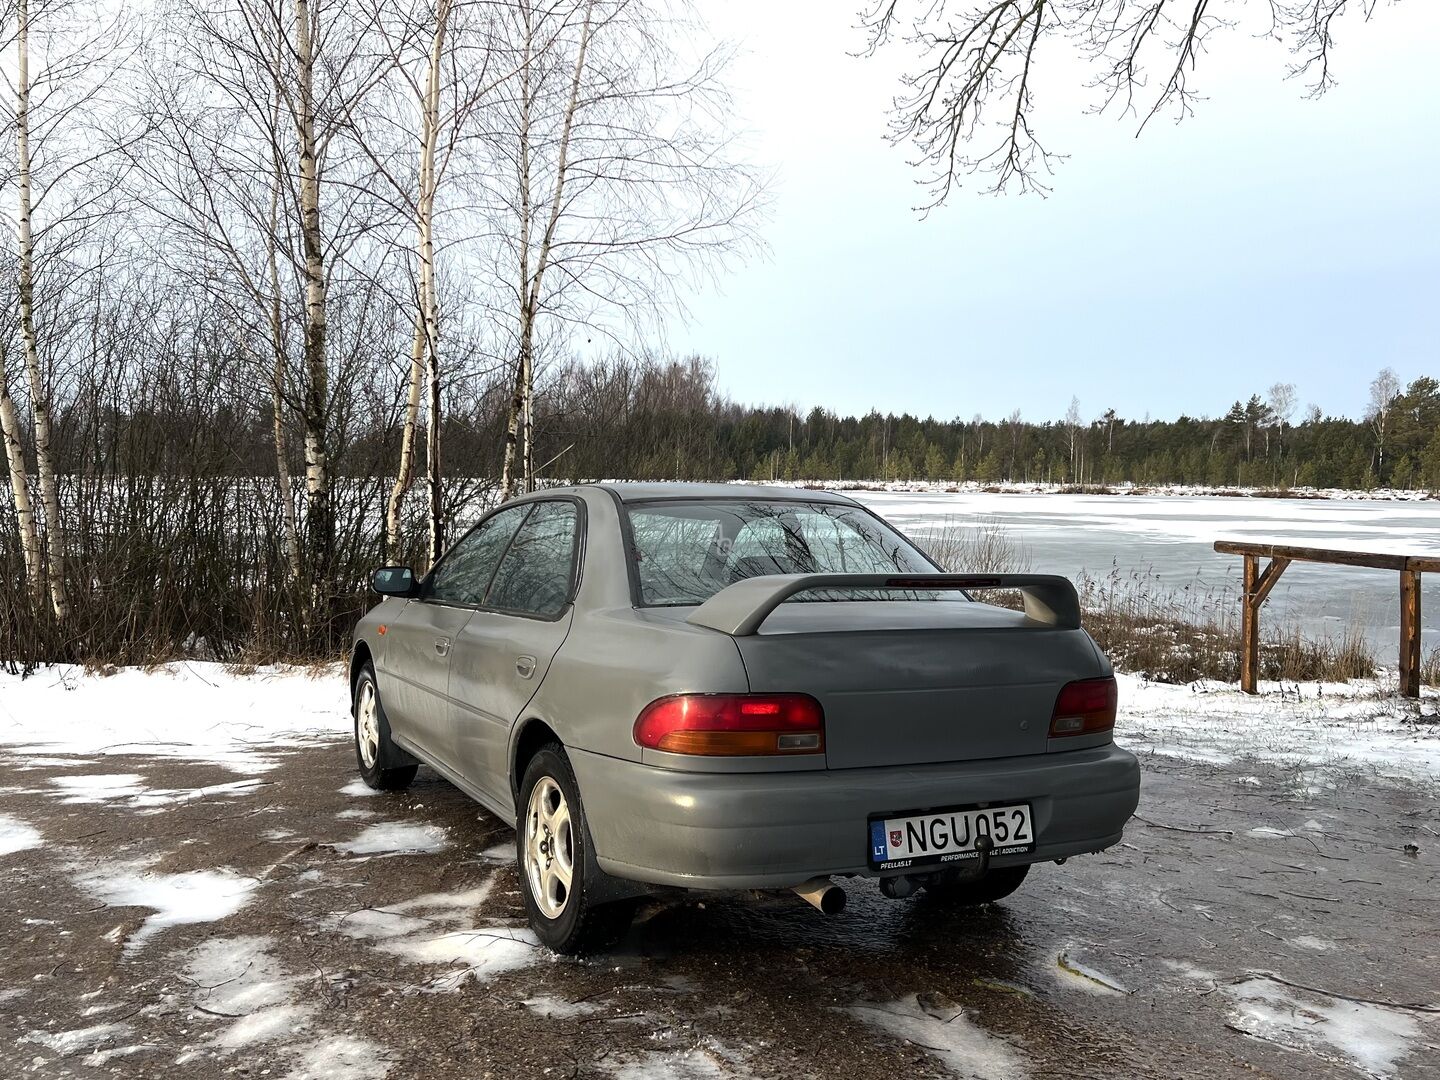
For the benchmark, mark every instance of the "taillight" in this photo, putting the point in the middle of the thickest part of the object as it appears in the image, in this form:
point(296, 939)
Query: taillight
point(733, 725)
point(1084, 708)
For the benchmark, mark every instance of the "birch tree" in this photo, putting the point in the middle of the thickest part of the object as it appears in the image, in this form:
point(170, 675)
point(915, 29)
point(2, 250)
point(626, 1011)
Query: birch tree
point(65, 126)
point(254, 109)
point(622, 181)
point(20, 488)
point(438, 52)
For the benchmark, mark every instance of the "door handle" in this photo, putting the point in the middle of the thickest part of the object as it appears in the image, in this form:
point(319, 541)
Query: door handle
point(525, 666)
point(442, 646)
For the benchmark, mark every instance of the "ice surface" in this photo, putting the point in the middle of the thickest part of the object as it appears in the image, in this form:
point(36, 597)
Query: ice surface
point(176, 899)
point(1371, 1038)
point(389, 837)
point(16, 835)
point(945, 1032)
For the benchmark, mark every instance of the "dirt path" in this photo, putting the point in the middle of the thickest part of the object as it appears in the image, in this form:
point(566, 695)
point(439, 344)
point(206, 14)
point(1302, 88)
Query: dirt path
point(163, 917)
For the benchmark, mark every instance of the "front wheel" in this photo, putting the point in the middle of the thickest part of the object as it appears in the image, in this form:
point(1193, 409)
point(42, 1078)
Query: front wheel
point(550, 843)
point(995, 884)
point(372, 737)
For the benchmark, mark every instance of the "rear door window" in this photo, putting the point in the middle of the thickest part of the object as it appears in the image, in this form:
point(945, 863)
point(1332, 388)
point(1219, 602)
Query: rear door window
point(537, 573)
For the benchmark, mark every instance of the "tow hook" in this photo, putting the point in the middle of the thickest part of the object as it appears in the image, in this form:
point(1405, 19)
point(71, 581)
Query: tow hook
point(898, 888)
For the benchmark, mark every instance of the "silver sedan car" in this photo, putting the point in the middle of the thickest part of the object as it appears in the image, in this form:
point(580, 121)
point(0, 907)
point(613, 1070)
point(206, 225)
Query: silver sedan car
point(719, 687)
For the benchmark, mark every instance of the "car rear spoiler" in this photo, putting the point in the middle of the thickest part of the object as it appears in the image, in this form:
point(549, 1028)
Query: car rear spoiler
point(739, 609)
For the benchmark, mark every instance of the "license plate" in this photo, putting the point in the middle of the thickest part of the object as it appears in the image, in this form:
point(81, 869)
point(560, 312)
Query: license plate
point(947, 836)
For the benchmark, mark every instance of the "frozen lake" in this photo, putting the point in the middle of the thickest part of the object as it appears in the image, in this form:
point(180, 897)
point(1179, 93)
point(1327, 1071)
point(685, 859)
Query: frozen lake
point(1172, 536)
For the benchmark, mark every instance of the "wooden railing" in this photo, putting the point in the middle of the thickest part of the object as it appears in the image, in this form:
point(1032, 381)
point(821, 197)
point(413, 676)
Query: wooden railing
point(1258, 584)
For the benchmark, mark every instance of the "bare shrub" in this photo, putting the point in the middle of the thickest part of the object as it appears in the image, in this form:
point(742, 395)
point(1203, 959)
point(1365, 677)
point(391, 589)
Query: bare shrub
point(986, 547)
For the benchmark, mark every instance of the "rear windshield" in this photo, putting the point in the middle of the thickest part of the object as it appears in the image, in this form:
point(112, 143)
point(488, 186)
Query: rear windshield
point(685, 552)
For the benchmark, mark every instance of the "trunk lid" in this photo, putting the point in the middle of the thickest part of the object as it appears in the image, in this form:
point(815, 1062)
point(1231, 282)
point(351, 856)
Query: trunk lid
point(920, 682)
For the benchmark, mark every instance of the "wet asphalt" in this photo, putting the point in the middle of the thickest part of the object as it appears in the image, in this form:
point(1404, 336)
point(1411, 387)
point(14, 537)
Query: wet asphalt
point(1253, 922)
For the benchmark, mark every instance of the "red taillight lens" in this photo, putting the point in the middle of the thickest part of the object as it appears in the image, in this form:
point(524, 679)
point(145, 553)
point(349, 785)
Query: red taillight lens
point(733, 725)
point(1084, 708)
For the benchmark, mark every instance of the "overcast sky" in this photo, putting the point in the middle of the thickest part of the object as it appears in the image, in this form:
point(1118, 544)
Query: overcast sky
point(1266, 239)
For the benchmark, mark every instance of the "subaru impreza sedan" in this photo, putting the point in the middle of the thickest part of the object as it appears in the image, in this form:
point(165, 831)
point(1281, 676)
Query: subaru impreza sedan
point(724, 688)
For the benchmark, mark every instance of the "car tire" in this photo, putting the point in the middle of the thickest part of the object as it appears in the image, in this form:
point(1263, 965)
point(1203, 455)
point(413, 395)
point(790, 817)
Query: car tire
point(372, 737)
point(554, 861)
point(995, 884)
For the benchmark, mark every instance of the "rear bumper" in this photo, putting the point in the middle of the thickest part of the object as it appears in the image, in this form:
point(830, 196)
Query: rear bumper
point(771, 830)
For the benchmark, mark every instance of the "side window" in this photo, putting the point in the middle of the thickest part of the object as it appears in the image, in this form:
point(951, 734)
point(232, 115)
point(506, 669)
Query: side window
point(536, 574)
point(464, 574)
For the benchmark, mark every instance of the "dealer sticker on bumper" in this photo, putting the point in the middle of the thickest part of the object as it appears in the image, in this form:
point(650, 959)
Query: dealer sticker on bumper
point(949, 836)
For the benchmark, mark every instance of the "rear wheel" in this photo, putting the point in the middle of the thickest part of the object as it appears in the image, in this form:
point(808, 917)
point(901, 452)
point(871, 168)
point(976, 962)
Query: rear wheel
point(995, 884)
point(550, 845)
point(372, 737)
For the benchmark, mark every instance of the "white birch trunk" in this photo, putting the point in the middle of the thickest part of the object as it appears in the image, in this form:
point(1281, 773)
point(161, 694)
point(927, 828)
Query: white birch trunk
point(429, 306)
point(319, 516)
point(20, 493)
point(277, 407)
point(39, 401)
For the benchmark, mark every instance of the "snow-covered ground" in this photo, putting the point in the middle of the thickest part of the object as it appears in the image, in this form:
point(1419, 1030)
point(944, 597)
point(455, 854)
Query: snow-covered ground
point(408, 914)
point(194, 711)
point(242, 721)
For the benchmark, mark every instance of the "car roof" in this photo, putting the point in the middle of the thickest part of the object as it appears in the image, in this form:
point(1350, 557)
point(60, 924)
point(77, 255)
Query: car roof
point(643, 491)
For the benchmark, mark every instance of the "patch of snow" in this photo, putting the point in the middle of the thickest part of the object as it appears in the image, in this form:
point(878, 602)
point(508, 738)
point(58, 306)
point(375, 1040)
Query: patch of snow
point(104, 1057)
point(1371, 1038)
point(98, 788)
point(177, 899)
point(375, 924)
point(479, 953)
point(340, 1057)
point(357, 815)
point(360, 789)
point(80, 1039)
point(130, 789)
point(698, 1063)
point(395, 838)
point(16, 835)
point(552, 1008)
point(1327, 726)
point(191, 711)
point(945, 1032)
point(1306, 941)
point(266, 1025)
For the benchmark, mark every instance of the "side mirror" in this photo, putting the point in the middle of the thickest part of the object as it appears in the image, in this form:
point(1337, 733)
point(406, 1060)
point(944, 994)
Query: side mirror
point(394, 581)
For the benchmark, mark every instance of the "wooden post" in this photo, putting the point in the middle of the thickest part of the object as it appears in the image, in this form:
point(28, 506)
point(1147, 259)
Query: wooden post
point(1410, 633)
point(1250, 629)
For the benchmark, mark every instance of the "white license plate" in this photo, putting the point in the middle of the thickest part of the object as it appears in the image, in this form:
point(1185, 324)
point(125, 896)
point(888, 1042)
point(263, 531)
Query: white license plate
point(949, 836)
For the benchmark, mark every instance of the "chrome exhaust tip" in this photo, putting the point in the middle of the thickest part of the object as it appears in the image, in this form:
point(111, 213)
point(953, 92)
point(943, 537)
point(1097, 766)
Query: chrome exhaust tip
point(822, 894)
